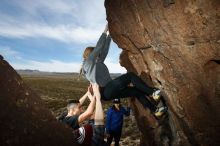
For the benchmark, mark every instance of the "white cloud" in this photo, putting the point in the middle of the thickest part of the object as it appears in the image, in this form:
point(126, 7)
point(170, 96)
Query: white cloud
point(63, 20)
point(58, 6)
point(7, 52)
point(61, 32)
point(69, 21)
point(51, 66)
point(60, 66)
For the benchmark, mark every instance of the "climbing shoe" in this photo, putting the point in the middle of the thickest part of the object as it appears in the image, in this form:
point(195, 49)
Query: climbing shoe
point(160, 111)
point(156, 95)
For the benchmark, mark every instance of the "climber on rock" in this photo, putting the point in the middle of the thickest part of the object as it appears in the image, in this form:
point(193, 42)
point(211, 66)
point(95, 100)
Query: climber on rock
point(75, 114)
point(114, 121)
point(96, 71)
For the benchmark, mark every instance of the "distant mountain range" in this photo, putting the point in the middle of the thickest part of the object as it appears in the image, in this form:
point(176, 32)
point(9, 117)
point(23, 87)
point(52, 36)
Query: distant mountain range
point(37, 72)
point(29, 71)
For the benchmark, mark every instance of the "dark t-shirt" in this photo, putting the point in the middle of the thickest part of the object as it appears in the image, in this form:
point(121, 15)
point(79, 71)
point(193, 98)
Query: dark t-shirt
point(72, 121)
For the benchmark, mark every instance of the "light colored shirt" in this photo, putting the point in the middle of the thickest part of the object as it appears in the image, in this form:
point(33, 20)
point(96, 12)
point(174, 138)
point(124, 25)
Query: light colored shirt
point(94, 68)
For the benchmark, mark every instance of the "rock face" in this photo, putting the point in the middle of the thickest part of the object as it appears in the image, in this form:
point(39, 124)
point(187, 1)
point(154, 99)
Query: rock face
point(175, 46)
point(23, 118)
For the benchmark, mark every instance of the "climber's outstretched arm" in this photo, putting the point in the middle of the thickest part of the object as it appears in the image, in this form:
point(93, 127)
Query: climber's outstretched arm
point(99, 46)
point(99, 114)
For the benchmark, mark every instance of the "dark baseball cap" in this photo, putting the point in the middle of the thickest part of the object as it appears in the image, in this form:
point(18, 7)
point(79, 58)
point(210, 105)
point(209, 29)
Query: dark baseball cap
point(116, 100)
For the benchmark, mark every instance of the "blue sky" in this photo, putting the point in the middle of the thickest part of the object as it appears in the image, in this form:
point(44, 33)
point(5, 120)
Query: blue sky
point(50, 35)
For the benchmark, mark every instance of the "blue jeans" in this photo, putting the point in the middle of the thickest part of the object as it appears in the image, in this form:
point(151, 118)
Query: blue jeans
point(98, 135)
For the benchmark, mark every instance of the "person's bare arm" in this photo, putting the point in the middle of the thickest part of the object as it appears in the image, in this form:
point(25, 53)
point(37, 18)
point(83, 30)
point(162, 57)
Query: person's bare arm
point(89, 111)
point(87, 94)
point(99, 114)
point(90, 96)
point(83, 98)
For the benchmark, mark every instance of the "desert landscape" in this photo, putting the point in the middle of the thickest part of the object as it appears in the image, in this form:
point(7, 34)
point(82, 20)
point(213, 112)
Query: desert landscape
point(55, 89)
point(171, 45)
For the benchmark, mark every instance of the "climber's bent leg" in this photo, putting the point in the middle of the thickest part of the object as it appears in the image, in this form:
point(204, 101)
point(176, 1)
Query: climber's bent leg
point(122, 82)
point(139, 84)
point(133, 92)
point(113, 90)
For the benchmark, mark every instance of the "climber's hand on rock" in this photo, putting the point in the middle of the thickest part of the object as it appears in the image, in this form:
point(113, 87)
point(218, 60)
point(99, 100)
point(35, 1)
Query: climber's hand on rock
point(106, 28)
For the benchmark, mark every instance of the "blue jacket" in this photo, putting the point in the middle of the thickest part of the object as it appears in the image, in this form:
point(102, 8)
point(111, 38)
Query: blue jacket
point(114, 119)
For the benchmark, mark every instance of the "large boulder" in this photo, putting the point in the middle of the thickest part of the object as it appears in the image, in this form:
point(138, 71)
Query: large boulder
point(175, 46)
point(24, 120)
